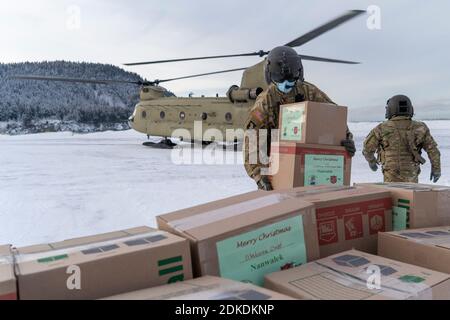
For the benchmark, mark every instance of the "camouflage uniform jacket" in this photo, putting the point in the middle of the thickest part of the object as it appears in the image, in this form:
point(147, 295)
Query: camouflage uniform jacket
point(399, 143)
point(265, 114)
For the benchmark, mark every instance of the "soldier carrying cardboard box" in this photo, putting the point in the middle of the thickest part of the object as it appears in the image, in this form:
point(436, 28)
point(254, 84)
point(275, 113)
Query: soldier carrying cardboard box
point(284, 74)
point(398, 143)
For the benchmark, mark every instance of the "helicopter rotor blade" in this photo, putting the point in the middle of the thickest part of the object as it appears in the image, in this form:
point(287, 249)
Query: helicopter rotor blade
point(313, 58)
point(64, 79)
point(101, 81)
point(295, 43)
point(199, 75)
point(259, 53)
point(324, 28)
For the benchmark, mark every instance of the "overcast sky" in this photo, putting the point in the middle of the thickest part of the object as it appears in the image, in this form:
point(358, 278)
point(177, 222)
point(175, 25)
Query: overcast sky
point(408, 55)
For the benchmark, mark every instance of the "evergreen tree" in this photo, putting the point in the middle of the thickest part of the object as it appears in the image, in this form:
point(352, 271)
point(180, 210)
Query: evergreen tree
point(27, 101)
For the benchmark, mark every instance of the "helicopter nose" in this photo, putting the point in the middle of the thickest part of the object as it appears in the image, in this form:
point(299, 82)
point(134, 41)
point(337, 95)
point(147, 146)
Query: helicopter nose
point(131, 121)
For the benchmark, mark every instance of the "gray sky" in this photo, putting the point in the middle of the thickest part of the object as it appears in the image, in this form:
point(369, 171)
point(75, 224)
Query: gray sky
point(409, 55)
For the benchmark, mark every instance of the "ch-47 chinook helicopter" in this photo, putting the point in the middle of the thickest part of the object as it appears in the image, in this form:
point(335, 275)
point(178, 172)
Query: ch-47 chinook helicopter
point(161, 114)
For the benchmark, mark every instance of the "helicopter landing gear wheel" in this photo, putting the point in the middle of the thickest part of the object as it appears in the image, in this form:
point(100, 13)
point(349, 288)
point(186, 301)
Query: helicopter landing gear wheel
point(163, 144)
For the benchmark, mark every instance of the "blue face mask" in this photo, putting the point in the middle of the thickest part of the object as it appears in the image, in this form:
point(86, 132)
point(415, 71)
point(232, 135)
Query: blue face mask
point(286, 86)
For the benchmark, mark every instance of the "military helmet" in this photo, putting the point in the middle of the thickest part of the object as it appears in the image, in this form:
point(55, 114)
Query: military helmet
point(283, 63)
point(399, 105)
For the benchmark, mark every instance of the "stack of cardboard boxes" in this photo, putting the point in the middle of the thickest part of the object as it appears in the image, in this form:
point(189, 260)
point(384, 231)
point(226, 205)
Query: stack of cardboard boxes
point(411, 263)
point(296, 242)
point(309, 150)
point(302, 243)
point(314, 237)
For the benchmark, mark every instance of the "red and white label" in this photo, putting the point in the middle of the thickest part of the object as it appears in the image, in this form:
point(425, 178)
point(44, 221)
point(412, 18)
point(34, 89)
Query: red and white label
point(353, 226)
point(377, 222)
point(352, 216)
point(328, 232)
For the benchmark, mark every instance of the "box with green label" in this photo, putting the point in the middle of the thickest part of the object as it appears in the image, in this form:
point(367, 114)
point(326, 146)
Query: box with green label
point(8, 290)
point(296, 165)
point(102, 265)
point(355, 275)
point(425, 247)
point(245, 237)
point(417, 205)
point(313, 123)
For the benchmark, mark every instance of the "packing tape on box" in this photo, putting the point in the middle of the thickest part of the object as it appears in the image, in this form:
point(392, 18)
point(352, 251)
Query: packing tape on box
point(233, 291)
point(245, 207)
point(441, 188)
point(226, 212)
point(415, 187)
point(435, 237)
point(328, 189)
point(361, 286)
point(95, 247)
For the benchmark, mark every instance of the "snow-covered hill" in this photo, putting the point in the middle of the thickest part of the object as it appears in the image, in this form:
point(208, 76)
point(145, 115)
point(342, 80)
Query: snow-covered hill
point(24, 103)
point(58, 185)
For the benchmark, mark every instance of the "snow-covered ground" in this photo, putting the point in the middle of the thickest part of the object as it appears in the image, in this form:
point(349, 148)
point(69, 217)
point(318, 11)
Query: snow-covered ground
point(56, 186)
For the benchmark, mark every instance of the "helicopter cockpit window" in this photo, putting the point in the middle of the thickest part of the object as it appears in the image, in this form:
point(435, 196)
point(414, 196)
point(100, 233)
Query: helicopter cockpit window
point(144, 114)
point(228, 117)
point(204, 116)
point(182, 115)
point(162, 115)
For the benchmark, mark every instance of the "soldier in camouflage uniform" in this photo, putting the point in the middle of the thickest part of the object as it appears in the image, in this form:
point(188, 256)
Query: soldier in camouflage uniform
point(399, 142)
point(284, 73)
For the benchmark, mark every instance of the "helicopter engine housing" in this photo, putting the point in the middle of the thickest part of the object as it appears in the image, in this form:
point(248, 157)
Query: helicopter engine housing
point(236, 94)
point(152, 93)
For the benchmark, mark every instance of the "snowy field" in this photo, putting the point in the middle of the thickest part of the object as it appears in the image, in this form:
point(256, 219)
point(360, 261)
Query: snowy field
point(58, 185)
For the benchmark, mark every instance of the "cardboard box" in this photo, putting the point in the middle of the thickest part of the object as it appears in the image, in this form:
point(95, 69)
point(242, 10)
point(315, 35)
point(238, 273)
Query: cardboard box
point(296, 165)
point(354, 275)
point(242, 238)
point(313, 123)
point(103, 265)
point(205, 288)
point(418, 205)
point(8, 290)
point(428, 248)
point(348, 217)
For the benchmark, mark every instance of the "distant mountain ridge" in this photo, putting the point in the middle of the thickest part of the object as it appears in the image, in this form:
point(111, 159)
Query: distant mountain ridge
point(25, 102)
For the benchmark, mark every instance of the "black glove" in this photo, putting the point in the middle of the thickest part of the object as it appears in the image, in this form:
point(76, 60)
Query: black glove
point(373, 166)
point(435, 175)
point(349, 146)
point(265, 184)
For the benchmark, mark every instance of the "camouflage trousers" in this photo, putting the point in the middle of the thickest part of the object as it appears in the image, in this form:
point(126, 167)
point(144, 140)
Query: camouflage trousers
point(411, 176)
